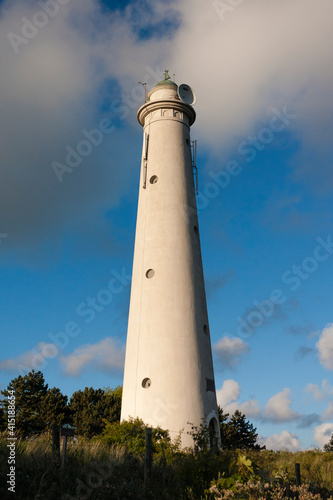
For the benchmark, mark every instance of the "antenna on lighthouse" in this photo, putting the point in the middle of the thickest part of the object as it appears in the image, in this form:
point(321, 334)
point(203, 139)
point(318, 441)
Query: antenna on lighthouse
point(145, 87)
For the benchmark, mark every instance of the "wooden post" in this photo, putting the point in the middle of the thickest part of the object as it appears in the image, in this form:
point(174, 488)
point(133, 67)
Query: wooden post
point(64, 450)
point(55, 476)
point(148, 455)
point(56, 444)
point(65, 432)
point(298, 474)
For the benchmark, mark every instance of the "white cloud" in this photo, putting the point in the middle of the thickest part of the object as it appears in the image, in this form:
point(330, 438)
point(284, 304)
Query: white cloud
point(64, 80)
point(34, 359)
point(226, 398)
point(107, 355)
point(325, 347)
point(278, 408)
point(319, 393)
point(250, 408)
point(283, 441)
point(229, 392)
point(322, 433)
point(245, 67)
point(328, 414)
point(87, 58)
point(315, 391)
point(229, 350)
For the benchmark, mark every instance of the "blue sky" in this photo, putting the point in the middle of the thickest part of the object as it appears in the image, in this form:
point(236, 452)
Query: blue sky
point(263, 78)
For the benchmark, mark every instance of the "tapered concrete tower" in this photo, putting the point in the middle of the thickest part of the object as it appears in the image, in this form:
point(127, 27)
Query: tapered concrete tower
point(169, 377)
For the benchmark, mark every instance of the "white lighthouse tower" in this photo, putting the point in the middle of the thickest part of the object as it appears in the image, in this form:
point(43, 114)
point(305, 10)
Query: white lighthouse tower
point(169, 377)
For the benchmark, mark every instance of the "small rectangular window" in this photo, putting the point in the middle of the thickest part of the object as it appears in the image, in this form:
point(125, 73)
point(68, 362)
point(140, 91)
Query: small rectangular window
point(210, 385)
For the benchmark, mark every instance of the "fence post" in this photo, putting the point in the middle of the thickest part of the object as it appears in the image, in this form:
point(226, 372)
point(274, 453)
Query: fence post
point(65, 432)
point(56, 462)
point(56, 444)
point(298, 474)
point(148, 454)
point(64, 450)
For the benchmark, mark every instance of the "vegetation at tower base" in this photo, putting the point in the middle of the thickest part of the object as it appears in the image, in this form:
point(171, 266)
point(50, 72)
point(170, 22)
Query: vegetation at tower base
point(110, 465)
point(97, 470)
point(132, 435)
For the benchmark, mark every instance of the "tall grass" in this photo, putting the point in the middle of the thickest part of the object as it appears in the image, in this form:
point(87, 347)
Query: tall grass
point(97, 470)
point(316, 466)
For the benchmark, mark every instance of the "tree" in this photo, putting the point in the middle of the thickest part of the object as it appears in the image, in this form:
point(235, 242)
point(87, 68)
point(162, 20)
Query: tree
point(92, 408)
point(54, 409)
point(29, 392)
point(237, 432)
point(86, 411)
point(329, 446)
point(112, 399)
point(36, 406)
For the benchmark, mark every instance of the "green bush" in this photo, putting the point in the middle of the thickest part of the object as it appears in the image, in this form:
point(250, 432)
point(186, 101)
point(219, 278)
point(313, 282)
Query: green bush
point(132, 435)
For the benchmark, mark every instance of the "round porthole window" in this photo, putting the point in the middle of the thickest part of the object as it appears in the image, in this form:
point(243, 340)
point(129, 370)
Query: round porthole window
point(150, 273)
point(153, 179)
point(146, 383)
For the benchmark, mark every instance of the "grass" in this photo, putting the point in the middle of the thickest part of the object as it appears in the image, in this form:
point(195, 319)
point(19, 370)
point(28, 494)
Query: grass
point(98, 470)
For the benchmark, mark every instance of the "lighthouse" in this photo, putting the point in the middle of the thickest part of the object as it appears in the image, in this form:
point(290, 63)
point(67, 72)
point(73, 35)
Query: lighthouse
point(168, 375)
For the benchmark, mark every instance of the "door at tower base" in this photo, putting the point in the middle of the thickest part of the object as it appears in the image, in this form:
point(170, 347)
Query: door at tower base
point(168, 376)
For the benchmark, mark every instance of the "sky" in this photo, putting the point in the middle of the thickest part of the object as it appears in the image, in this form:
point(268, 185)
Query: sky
point(70, 158)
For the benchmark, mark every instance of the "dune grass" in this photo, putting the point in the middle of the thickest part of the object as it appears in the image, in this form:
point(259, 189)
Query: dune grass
point(96, 469)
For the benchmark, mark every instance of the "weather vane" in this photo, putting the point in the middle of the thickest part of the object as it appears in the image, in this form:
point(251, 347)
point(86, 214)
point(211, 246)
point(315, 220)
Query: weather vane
point(166, 75)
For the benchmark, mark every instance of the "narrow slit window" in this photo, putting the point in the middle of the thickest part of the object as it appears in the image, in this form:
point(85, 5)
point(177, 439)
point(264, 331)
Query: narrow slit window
point(145, 161)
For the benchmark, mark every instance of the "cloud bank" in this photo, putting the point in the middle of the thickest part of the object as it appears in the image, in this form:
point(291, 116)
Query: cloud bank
point(260, 56)
point(83, 66)
point(56, 89)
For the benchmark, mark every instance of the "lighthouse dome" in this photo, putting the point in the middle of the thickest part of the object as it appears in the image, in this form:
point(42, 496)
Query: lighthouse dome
point(166, 82)
point(165, 89)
